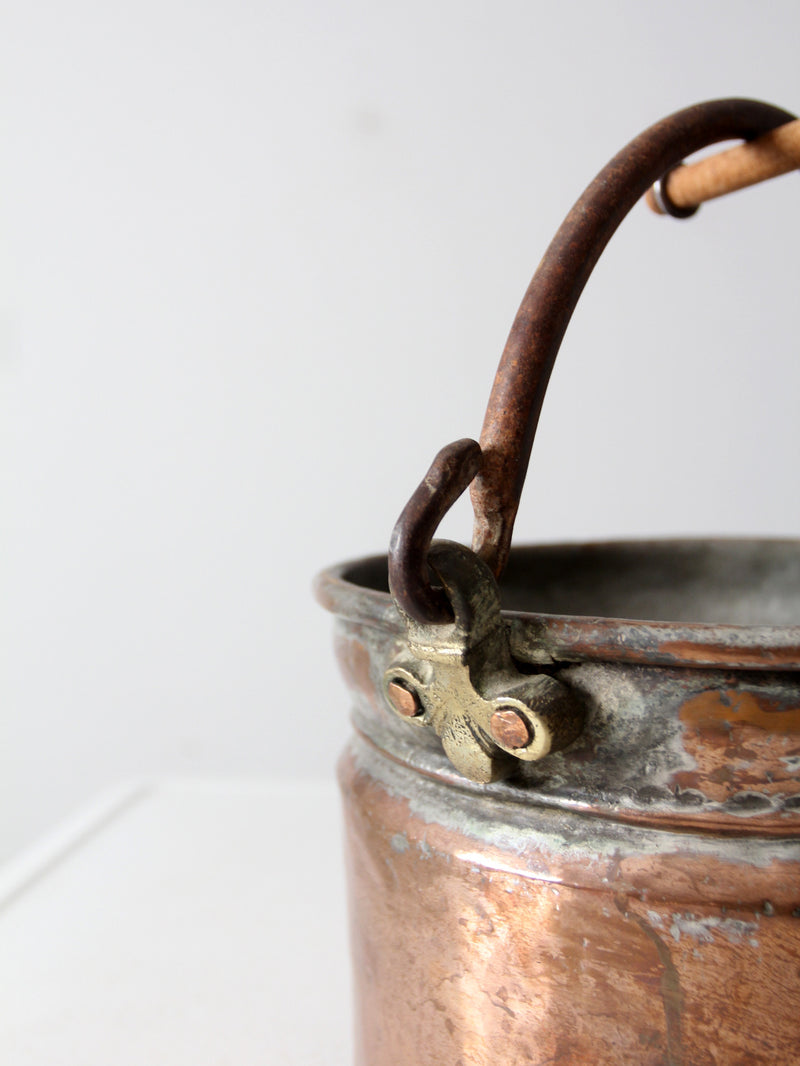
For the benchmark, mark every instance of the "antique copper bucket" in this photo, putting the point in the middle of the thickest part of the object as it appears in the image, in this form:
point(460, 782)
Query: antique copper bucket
point(573, 825)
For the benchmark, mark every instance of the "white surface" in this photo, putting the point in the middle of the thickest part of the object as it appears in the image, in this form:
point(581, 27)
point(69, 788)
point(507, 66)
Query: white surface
point(197, 924)
point(258, 259)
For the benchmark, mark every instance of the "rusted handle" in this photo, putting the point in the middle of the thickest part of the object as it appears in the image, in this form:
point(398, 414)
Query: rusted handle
point(516, 400)
point(450, 473)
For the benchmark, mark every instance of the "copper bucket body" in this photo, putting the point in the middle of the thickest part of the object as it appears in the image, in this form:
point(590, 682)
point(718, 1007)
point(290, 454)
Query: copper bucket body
point(572, 796)
point(635, 899)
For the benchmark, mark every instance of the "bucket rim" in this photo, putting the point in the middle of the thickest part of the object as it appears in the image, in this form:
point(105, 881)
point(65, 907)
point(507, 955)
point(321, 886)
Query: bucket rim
point(541, 637)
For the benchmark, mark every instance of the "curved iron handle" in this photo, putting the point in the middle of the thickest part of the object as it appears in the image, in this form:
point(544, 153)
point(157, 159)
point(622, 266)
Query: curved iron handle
point(524, 371)
point(450, 473)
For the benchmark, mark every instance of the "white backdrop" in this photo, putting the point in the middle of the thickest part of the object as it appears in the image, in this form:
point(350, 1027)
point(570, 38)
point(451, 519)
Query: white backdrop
point(258, 264)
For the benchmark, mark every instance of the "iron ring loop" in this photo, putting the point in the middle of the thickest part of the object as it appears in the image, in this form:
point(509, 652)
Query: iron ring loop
point(450, 474)
point(662, 198)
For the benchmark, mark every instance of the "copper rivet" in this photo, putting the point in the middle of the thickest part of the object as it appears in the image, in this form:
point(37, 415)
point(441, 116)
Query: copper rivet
point(510, 729)
point(404, 700)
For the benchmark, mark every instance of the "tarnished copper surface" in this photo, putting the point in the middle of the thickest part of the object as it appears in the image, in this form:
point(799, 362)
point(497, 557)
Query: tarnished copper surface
point(740, 739)
point(581, 625)
point(469, 950)
point(355, 662)
point(634, 899)
point(664, 743)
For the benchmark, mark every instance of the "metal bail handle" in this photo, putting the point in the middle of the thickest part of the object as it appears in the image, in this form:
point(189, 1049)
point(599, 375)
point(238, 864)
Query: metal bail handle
point(516, 400)
point(512, 415)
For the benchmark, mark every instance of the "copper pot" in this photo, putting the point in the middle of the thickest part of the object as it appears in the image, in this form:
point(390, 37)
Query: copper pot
point(573, 831)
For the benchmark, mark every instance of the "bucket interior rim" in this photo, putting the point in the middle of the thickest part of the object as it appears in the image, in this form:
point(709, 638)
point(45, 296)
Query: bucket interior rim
point(748, 574)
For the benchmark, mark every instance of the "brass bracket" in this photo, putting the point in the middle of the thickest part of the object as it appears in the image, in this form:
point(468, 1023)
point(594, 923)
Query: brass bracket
point(460, 679)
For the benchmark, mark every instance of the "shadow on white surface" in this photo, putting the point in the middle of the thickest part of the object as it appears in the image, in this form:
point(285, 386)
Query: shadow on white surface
point(180, 922)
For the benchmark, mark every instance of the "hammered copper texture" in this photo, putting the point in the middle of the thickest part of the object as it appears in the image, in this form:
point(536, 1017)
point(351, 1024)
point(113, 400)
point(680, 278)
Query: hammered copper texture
point(462, 958)
point(633, 899)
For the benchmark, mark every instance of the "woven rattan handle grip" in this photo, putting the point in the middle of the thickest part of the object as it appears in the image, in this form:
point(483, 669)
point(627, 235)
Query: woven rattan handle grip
point(524, 371)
